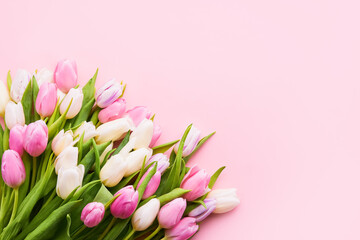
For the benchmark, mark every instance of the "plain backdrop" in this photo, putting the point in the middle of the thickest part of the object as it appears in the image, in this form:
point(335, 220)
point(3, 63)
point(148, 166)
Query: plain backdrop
point(278, 80)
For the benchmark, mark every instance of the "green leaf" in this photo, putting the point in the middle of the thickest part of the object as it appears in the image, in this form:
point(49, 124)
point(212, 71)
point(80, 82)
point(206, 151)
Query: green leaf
point(64, 234)
point(144, 184)
point(35, 91)
point(215, 176)
point(84, 112)
point(117, 229)
point(26, 102)
point(124, 182)
point(89, 159)
point(201, 142)
point(97, 159)
point(89, 89)
point(164, 147)
point(6, 138)
point(94, 118)
point(175, 193)
point(9, 81)
point(123, 143)
point(104, 195)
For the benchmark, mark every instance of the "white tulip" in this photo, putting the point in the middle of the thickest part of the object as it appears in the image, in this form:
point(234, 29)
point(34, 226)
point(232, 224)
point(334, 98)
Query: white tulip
point(67, 158)
point(76, 96)
point(19, 84)
point(125, 151)
point(113, 171)
point(135, 160)
point(143, 134)
point(88, 128)
point(113, 130)
point(226, 199)
point(14, 114)
point(68, 180)
point(4, 98)
point(61, 141)
point(43, 76)
point(145, 215)
point(191, 142)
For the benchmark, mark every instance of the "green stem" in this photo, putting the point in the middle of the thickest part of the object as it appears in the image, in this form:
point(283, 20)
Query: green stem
point(130, 234)
point(107, 229)
point(78, 232)
point(15, 205)
point(154, 233)
point(50, 198)
point(33, 177)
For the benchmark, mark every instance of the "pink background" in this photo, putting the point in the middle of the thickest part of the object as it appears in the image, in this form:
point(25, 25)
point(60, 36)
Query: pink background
point(278, 80)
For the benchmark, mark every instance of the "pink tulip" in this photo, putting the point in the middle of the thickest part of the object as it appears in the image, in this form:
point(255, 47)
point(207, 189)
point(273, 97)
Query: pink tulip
point(162, 162)
point(112, 112)
point(36, 138)
point(139, 113)
point(46, 99)
point(108, 93)
point(126, 203)
point(16, 139)
point(171, 213)
point(92, 214)
point(65, 75)
point(196, 180)
point(152, 185)
point(156, 135)
point(12, 169)
point(185, 229)
point(200, 213)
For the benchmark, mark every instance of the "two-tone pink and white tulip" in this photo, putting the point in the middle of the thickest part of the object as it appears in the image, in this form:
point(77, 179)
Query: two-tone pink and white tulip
point(36, 138)
point(16, 139)
point(145, 215)
point(44, 75)
point(61, 141)
point(162, 162)
point(113, 170)
point(46, 99)
point(108, 93)
point(88, 129)
point(135, 159)
point(69, 179)
point(112, 112)
point(68, 158)
point(113, 130)
point(200, 213)
point(153, 184)
point(226, 199)
point(191, 142)
point(138, 114)
point(196, 180)
point(4, 98)
point(12, 169)
point(75, 96)
point(14, 114)
point(65, 75)
point(92, 214)
point(19, 84)
point(143, 134)
point(126, 202)
point(156, 135)
point(184, 230)
point(171, 213)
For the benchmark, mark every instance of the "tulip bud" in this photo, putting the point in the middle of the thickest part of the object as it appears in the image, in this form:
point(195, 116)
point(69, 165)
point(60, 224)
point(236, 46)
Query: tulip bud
point(153, 184)
point(113, 130)
point(113, 171)
point(61, 141)
point(44, 76)
point(226, 199)
point(14, 114)
point(36, 138)
point(12, 169)
point(108, 93)
point(191, 142)
point(139, 113)
point(171, 213)
point(19, 84)
point(143, 134)
point(145, 215)
point(196, 180)
point(135, 160)
point(88, 128)
point(185, 229)
point(46, 99)
point(92, 214)
point(76, 96)
point(124, 205)
point(65, 75)
point(4, 98)
point(67, 159)
point(200, 213)
point(113, 111)
point(16, 139)
point(162, 162)
point(68, 180)
point(156, 135)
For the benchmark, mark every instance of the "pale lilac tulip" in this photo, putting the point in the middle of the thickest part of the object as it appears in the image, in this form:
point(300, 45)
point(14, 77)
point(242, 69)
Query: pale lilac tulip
point(65, 75)
point(12, 169)
point(92, 214)
point(36, 138)
point(19, 84)
point(4, 98)
point(108, 93)
point(153, 184)
point(162, 162)
point(139, 113)
point(44, 76)
point(200, 213)
point(191, 142)
point(226, 199)
point(145, 215)
point(16, 139)
point(143, 134)
point(14, 114)
point(124, 205)
point(46, 99)
point(156, 135)
point(184, 230)
point(112, 112)
point(171, 213)
point(61, 141)
point(68, 180)
point(196, 180)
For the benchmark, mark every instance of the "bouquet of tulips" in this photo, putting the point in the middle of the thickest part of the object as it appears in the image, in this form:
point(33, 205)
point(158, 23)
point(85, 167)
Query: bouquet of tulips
point(76, 164)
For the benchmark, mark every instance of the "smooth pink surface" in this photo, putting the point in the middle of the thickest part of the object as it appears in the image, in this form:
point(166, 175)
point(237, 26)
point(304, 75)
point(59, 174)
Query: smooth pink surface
point(278, 80)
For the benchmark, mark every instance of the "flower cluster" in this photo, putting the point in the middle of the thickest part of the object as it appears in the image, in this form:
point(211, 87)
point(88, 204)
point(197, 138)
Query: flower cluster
point(77, 163)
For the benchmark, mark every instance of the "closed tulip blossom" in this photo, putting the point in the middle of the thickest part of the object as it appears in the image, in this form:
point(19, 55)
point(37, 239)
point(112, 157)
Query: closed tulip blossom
point(12, 169)
point(153, 184)
point(75, 97)
point(145, 215)
point(92, 214)
point(4, 98)
point(108, 93)
point(138, 114)
point(19, 84)
point(135, 160)
point(162, 162)
point(112, 112)
point(16, 139)
point(14, 114)
point(191, 142)
point(226, 199)
point(126, 202)
point(44, 76)
point(36, 138)
point(61, 141)
point(46, 99)
point(184, 230)
point(143, 134)
point(65, 75)
point(88, 129)
point(68, 158)
point(68, 180)
point(200, 213)
point(196, 180)
point(113, 171)
point(171, 213)
point(113, 130)
point(156, 135)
